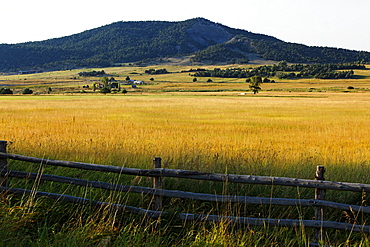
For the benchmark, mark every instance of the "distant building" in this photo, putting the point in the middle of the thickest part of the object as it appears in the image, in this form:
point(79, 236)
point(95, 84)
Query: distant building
point(135, 82)
point(139, 82)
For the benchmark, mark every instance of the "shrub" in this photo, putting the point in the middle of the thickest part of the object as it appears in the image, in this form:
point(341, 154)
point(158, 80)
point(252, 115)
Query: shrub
point(6, 91)
point(27, 91)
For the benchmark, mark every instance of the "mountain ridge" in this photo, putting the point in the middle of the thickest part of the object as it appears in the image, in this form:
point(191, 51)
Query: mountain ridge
point(129, 42)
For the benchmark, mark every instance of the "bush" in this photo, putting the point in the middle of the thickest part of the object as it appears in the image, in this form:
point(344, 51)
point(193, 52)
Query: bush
point(6, 91)
point(350, 87)
point(27, 91)
point(105, 90)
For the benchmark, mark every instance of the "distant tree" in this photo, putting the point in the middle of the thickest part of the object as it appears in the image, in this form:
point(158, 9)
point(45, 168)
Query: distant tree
point(6, 91)
point(91, 73)
point(27, 91)
point(209, 80)
point(128, 78)
point(282, 65)
point(151, 79)
point(106, 88)
point(156, 72)
point(255, 83)
point(149, 71)
point(105, 81)
point(195, 80)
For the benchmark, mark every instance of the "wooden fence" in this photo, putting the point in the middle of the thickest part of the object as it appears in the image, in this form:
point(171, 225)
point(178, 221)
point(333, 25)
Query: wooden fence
point(158, 173)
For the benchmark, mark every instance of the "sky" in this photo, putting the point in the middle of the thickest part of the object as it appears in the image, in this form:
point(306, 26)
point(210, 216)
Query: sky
point(331, 23)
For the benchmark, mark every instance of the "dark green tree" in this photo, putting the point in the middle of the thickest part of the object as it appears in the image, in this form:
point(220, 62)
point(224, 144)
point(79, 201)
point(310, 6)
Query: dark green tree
point(106, 88)
point(6, 91)
point(27, 91)
point(255, 83)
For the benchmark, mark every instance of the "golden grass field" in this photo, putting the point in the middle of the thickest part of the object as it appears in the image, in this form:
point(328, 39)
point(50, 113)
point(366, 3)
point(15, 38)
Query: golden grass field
point(288, 125)
point(254, 135)
point(286, 130)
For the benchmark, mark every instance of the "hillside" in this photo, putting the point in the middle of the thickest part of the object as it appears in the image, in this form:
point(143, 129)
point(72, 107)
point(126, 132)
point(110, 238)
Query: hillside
point(127, 42)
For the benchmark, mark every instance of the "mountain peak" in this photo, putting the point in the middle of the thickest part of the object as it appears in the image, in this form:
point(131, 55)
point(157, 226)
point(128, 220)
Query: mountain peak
point(208, 33)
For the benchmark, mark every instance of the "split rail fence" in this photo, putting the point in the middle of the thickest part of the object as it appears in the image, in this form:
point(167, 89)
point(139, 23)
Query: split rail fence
point(319, 185)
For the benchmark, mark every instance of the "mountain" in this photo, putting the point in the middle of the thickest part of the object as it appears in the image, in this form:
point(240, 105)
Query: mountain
point(123, 42)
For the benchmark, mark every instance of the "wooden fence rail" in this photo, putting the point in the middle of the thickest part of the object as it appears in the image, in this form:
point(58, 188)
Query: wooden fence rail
point(158, 173)
point(231, 178)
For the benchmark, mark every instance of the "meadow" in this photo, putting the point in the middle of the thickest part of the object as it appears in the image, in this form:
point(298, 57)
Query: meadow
point(286, 130)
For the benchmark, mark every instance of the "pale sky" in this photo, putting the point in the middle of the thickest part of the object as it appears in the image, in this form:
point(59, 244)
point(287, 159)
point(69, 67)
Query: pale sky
point(332, 23)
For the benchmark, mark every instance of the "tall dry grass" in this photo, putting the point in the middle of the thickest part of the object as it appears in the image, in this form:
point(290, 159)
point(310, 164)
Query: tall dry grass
point(269, 135)
point(254, 135)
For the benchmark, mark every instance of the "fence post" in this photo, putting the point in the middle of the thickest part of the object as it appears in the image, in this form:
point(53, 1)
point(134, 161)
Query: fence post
point(157, 200)
point(3, 164)
point(157, 184)
point(319, 211)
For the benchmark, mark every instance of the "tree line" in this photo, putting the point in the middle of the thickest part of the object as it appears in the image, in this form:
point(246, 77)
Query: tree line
point(283, 70)
point(298, 53)
point(91, 73)
point(156, 71)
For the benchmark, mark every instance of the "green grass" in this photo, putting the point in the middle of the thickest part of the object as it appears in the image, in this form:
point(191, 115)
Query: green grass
point(177, 81)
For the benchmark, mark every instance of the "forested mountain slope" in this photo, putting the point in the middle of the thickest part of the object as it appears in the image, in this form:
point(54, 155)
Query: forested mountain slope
point(124, 42)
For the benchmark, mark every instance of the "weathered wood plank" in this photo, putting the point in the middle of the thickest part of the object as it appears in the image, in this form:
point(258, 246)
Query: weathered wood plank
point(191, 195)
point(231, 178)
point(199, 217)
point(81, 200)
point(276, 222)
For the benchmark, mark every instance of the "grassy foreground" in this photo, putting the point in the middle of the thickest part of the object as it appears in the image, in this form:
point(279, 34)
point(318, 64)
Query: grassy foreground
point(276, 134)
